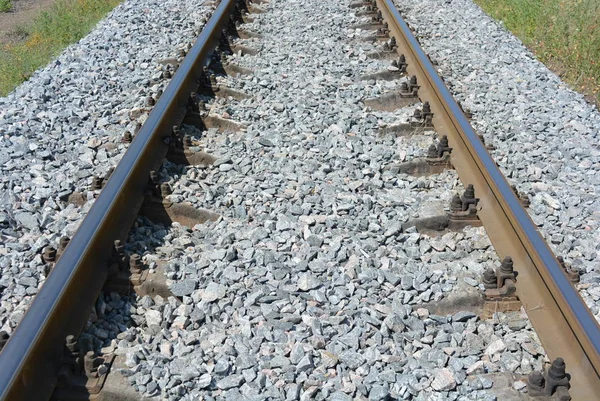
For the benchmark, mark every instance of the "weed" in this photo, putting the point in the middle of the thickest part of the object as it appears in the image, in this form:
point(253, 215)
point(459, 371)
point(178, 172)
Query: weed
point(564, 34)
point(5, 5)
point(65, 22)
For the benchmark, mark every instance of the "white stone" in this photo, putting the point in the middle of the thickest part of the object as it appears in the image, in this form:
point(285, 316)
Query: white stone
point(153, 318)
point(443, 380)
point(495, 347)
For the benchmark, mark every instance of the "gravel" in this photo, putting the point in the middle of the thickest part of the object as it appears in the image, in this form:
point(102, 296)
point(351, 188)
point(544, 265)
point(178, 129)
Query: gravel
point(63, 126)
point(546, 136)
point(306, 287)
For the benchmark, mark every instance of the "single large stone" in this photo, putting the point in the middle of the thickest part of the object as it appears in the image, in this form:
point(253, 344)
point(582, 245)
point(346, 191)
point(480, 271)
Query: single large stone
point(463, 316)
point(339, 396)
point(307, 282)
point(213, 291)
point(230, 382)
point(27, 220)
point(153, 318)
point(182, 288)
point(495, 347)
point(351, 359)
point(204, 381)
point(443, 380)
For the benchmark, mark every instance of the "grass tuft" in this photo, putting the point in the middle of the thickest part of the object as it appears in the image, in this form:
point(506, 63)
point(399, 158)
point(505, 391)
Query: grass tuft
point(64, 23)
point(563, 34)
point(5, 5)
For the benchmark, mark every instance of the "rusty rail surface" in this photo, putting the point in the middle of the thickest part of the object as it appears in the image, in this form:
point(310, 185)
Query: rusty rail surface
point(564, 324)
point(32, 357)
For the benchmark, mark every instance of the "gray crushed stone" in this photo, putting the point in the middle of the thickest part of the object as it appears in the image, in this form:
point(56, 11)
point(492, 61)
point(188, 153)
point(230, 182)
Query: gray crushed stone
point(64, 125)
point(306, 287)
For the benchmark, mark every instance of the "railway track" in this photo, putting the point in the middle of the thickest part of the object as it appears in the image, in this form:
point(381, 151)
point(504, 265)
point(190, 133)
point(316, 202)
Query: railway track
point(531, 277)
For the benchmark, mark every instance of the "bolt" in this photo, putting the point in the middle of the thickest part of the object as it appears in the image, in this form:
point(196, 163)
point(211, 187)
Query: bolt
point(108, 174)
point(119, 247)
point(201, 106)
point(135, 263)
point(432, 152)
point(417, 115)
point(443, 146)
point(444, 141)
point(404, 87)
point(118, 257)
point(159, 93)
point(72, 344)
point(412, 83)
point(127, 137)
point(167, 74)
point(535, 385)
point(165, 190)
point(96, 183)
point(137, 128)
point(3, 339)
point(426, 106)
point(193, 101)
point(456, 204)
point(63, 242)
point(506, 267)
point(572, 272)
point(468, 198)
point(393, 43)
point(557, 377)
point(154, 178)
point(187, 141)
point(557, 369)
point(469, 192)
point(150, 101)
point(223, 58)
point(49, 255)
point(401, 63)
point(489, 279)
point(88, 364)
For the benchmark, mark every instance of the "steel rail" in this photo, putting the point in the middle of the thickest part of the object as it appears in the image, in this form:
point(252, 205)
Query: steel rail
point(564, 324)
point(33, 355)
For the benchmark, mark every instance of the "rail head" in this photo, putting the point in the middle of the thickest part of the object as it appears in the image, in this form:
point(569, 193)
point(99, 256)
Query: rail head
point(33, 355)
point(564, 323)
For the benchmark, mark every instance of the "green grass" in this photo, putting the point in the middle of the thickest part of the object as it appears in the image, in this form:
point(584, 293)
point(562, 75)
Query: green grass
point(64, 23)
point(5, 5)
point(564, 34)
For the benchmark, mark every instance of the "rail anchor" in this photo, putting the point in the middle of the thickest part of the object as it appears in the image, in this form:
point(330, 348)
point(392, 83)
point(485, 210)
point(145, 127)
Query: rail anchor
point(500, 290)
point(463, 210)
point(83, 373)
point(554, 383)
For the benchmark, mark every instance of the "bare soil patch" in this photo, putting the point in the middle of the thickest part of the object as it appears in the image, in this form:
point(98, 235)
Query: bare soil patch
point(23, 12)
